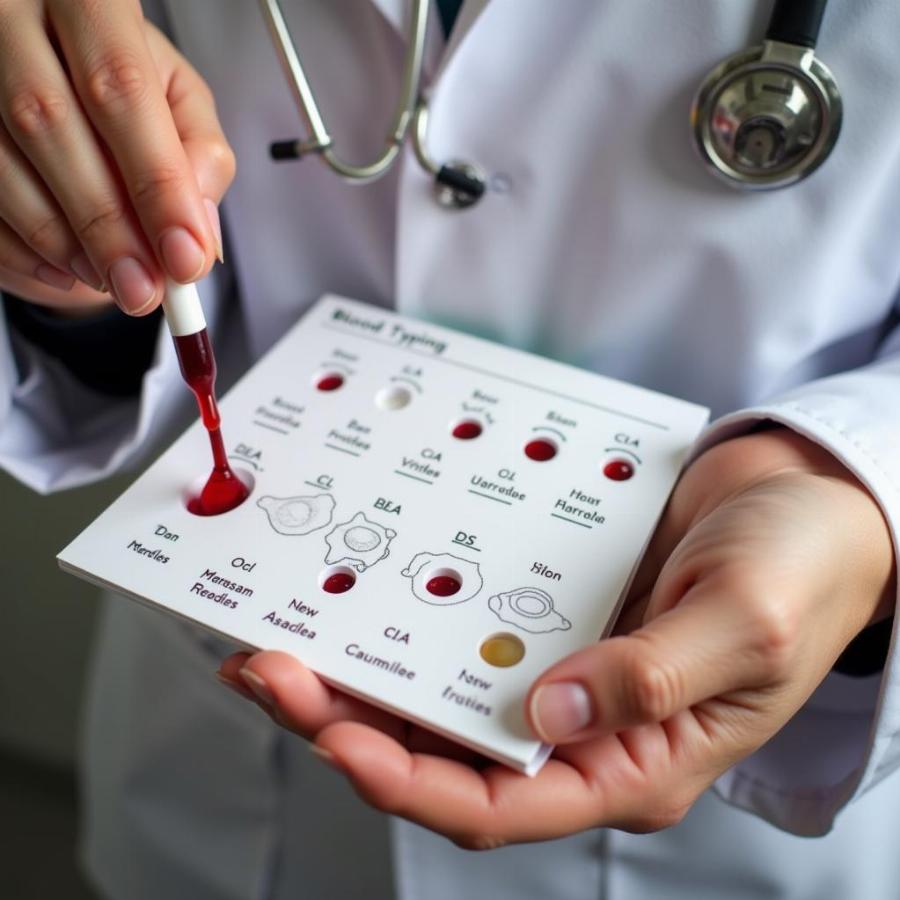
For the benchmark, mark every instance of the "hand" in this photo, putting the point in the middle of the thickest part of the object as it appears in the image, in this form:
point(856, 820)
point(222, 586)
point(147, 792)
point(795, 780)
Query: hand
point(770, 558)
point(112, 160)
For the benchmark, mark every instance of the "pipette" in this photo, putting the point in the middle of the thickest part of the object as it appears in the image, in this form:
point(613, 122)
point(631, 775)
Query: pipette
point(223, 490)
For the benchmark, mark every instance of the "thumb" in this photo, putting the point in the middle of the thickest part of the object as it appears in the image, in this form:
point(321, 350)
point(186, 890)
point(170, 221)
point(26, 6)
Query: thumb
point(697, 650)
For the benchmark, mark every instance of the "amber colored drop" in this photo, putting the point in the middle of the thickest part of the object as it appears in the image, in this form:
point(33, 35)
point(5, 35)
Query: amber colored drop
point(467, 430)
point(502, 650)
point(338, 583)
point(443, 585)
point(540, 450)
point(618, 470)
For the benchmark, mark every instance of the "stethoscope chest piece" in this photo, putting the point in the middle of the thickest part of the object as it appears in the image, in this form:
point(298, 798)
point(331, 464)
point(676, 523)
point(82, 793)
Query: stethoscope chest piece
point(768, 117)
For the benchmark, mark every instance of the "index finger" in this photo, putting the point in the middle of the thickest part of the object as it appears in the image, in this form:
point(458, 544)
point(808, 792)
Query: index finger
point(477, 809)
point(119, 85)
point(642, 780)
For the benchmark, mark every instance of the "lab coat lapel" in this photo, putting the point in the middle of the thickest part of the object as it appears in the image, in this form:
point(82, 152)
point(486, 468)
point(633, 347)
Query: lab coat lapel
point(468, 15)
point(396, 12)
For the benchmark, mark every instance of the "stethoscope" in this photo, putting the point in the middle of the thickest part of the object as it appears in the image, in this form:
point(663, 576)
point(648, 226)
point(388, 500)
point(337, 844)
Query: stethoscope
point(764, 118)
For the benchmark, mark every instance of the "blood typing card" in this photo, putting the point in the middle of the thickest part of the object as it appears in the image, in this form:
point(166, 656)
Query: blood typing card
point(432, 520)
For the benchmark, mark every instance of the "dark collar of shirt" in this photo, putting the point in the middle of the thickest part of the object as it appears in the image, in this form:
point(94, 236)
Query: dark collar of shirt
point(449, 10)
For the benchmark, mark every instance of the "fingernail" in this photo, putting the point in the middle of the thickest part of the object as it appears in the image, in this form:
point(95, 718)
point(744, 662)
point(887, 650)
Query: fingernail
point(182, 255)
point(560, 710)
point(56, 278)
point(133, 288)
point(234, 686)
point(216, 223)
point(86, 272)
point(258, 686)
point(326, 756)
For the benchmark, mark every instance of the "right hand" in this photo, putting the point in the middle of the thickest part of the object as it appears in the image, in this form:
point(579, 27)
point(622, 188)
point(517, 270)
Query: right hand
point(112, 158)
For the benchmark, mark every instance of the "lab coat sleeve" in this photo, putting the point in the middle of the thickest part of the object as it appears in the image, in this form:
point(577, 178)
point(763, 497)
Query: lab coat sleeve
point(846, 739)
point(55, 433)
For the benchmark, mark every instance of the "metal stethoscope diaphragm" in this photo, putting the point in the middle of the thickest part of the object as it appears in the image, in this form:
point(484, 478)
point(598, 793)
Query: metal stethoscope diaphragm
point(769, 116)
point(764, 118)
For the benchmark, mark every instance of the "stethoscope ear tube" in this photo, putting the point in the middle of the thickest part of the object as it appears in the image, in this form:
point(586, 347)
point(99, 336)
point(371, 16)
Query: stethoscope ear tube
point(796, 22)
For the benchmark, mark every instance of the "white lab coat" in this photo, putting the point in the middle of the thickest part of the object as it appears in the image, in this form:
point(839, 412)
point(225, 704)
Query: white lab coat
point(601, 242)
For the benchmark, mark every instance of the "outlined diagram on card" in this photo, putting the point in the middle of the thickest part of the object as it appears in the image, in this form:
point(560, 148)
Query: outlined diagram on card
point(359, 543)
point(298, 515)
point(530, 609)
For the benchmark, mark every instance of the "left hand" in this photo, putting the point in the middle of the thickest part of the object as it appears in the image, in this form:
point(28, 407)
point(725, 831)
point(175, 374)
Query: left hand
point(769, 559)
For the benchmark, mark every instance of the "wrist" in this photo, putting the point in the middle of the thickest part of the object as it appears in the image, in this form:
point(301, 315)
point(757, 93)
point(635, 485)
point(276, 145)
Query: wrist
point(775, 453)
point(874, 549)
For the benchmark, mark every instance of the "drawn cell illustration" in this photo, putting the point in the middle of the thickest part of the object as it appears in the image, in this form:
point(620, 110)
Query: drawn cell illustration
point(359, 543)
point(443, 579)
point(530, 609)
point(298, 515)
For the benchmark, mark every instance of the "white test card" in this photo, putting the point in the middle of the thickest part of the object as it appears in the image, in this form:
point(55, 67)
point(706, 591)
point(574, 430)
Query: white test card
point(434, 519)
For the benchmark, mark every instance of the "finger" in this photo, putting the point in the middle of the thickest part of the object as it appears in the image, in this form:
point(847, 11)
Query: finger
point(700, 649)
point(305, 704)
point(119, 85)
point(421, 740)
point(666, 537)
point(44, 118)
point(194, 113)
point(229, 675)
point(28, 207)
point(17, 257)
point(632, 614)
point(80, 302)
point(479, 810)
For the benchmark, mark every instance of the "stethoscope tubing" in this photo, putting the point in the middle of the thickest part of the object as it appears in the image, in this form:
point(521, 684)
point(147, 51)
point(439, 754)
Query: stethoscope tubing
point(789, 46)
point(321, 141)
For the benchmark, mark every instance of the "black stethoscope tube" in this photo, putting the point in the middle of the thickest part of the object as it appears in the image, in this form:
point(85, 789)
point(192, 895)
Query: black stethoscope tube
point(764, 118)
point(796, 22)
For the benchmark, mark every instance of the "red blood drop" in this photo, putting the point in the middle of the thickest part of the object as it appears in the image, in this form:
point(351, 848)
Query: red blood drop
point(443, 585)
point(465, 431)
point(338, 583)
point(223, 492)
point(330, 382)
point(540, 451)
point(618, 470)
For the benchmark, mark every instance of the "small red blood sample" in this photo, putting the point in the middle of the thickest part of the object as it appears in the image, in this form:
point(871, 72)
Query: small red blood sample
point(467, 430)
point(443, 585)
point(618, 470)
point(330, 382)
point(338, 583)
point(224, 490)
point(540, 450)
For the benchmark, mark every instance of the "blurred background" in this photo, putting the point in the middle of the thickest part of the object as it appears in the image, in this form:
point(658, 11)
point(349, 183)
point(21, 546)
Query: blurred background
point(47, 621)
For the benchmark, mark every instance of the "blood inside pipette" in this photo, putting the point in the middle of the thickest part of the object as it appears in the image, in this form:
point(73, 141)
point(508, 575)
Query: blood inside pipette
point(223, 490)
